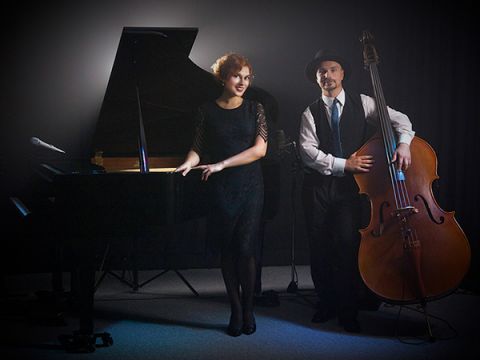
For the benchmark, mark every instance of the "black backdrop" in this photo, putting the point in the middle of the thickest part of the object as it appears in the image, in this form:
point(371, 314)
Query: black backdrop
point(57, 56)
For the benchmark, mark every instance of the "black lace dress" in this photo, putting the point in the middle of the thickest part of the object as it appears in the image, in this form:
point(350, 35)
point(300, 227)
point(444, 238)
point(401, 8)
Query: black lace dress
point(235, 194)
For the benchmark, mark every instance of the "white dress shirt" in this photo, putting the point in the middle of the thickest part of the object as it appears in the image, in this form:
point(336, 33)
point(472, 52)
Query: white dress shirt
point(327, 164)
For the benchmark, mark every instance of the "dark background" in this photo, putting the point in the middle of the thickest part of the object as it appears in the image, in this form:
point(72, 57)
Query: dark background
point(57, 58)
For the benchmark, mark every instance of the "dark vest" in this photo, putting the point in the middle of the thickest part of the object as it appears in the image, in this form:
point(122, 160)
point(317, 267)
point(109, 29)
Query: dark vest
point(354, 132)
point(353, 126)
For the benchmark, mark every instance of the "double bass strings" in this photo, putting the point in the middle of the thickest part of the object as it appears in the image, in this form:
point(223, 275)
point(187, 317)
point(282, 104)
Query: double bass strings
point(397, 177)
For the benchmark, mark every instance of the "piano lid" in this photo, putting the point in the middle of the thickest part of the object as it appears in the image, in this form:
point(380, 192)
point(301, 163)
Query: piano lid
point(171, 87)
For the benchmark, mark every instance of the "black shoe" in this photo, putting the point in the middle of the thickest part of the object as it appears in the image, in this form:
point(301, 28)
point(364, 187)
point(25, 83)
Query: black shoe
point(234, 331)
point(323, 315)
point(350, 325)
point(249, 329)
point(234, 328)
point(249, 324)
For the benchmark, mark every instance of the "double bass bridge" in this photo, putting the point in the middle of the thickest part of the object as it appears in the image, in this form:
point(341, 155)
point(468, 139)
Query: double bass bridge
point(408, 233)
point(401, 214)
point(404, 212)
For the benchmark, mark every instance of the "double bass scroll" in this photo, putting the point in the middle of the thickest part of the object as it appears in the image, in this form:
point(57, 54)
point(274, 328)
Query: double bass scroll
point(412, 251)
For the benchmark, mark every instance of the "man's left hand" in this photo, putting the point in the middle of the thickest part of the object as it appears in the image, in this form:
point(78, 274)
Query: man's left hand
point(402, 157)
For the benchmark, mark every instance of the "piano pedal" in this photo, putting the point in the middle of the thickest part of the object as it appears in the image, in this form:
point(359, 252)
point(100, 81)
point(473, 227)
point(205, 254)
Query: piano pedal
point(106, 338)
point(84, 343)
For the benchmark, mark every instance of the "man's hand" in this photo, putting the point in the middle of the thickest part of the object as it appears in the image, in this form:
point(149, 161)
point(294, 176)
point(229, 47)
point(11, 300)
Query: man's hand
point(402, 157)
point(359, 164)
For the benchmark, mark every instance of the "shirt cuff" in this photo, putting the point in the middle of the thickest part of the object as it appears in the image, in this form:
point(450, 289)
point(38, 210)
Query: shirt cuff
point(404, 138)
point(338, 168)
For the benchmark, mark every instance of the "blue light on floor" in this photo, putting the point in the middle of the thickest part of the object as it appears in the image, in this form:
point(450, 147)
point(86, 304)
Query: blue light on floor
point(279, 339)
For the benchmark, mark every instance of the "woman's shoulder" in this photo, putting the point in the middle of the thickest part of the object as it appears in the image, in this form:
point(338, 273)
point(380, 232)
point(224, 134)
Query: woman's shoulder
point(252, 105)
point(206, 108)
point(251, 102)
point(208, 104)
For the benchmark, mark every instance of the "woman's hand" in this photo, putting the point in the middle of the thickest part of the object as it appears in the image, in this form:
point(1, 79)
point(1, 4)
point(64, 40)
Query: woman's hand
point(190, 161)
point(184, 168)
point(210, 169)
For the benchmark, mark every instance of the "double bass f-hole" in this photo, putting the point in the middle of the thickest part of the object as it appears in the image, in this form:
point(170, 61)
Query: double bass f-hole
point(381, 220)
point(429, 211)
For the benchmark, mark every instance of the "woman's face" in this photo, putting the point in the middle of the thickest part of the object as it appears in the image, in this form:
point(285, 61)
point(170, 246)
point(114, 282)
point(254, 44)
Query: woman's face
point(237, 83)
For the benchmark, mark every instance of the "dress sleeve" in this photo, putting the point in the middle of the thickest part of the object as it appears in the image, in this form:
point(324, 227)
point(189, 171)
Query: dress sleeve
point(261, 123)
point(199, 136)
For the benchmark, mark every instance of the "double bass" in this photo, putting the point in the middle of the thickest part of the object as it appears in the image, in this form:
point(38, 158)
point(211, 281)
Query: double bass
point(412, 251)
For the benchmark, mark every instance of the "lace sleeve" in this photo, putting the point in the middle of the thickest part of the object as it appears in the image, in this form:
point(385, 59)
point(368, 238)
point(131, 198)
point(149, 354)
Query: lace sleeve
point(199, 137)
point(261, 123)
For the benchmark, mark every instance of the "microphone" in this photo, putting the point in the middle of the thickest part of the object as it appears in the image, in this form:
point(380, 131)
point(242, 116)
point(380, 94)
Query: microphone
point(37, 142)
point(282, 141)
point(284, 147)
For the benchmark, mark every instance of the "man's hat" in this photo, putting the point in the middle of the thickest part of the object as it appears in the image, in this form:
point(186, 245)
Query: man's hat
point(325, 55)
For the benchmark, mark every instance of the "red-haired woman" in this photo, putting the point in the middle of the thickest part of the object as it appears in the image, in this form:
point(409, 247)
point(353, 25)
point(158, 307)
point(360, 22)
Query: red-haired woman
point(231, 135)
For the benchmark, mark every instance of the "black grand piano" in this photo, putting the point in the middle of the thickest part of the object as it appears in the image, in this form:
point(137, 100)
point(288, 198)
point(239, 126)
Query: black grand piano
point(144, 130)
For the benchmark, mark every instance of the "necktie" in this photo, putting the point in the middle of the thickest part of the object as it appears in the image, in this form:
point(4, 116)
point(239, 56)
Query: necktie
point(335, 119)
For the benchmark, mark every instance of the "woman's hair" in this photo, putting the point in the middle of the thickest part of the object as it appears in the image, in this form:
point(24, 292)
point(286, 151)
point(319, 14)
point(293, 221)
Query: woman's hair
point(229, 64)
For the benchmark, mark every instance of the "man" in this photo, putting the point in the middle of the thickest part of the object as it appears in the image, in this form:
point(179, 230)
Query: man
point(332, 129)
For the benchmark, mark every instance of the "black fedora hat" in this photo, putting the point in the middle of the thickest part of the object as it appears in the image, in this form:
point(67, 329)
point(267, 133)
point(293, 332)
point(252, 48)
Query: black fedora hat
point(325, 55)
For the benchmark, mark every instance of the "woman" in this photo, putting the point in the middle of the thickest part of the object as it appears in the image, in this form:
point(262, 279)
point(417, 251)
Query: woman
point(232, 133)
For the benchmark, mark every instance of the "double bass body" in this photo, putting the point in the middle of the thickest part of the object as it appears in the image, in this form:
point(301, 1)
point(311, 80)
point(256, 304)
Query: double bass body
point(411, 254)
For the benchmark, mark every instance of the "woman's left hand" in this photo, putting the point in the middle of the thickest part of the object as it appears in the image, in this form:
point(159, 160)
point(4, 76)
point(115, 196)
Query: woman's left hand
point(210, 169)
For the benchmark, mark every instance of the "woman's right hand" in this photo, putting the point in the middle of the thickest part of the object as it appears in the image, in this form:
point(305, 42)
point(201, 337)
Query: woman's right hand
point(184, 168)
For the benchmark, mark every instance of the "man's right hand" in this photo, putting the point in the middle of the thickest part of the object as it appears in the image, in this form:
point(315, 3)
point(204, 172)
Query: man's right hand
point(359, 164)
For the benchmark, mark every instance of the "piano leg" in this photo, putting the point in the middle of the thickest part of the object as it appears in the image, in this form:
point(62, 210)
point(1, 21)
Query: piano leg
point(86, 282)
point(84, 340)
point(133, 268)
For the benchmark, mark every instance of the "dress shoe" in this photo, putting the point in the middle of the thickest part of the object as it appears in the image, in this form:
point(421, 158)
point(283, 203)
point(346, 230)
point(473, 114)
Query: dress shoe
point(323, 315)
point(350, 325)
point(249, 324)
point(249, 328)
point(235, 326)
point(234, 330)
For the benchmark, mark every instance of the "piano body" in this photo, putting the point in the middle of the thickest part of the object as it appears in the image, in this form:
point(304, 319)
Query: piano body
point(148, 109)
point(170, 88)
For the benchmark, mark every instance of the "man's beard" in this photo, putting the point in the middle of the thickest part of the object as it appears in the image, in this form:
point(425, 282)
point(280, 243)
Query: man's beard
point(329, 85)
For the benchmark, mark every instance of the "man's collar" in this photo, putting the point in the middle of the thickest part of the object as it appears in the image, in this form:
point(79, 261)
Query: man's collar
point(329, 100)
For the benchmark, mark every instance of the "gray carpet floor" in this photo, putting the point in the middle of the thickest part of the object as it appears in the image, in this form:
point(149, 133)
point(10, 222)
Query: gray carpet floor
point(165, 320)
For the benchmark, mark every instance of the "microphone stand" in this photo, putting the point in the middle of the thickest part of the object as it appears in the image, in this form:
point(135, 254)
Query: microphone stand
point(296, 166)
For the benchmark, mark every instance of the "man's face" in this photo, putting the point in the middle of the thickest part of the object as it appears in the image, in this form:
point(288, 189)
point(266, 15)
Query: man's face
point(330, 75)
